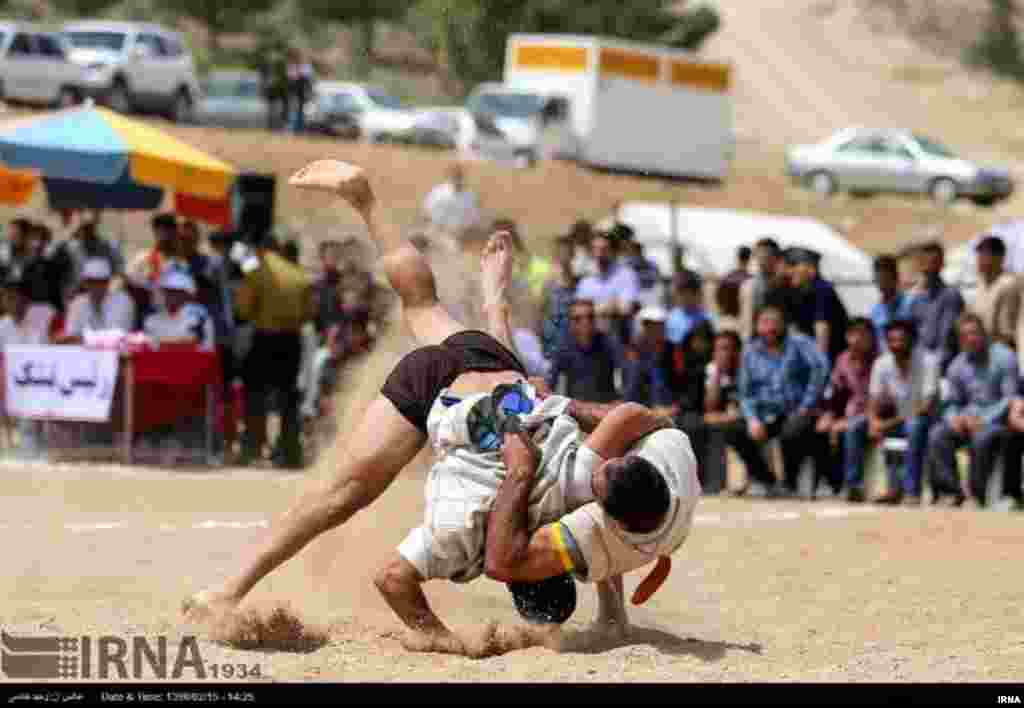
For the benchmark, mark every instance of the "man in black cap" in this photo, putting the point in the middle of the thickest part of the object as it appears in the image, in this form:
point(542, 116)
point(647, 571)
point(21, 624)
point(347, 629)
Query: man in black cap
point(817, 310)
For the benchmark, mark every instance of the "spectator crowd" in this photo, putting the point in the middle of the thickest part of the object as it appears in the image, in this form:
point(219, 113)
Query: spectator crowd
point(282, 333)
point(779, 358)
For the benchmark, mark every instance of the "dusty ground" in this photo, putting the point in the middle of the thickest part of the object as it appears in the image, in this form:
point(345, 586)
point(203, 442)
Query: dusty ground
point(762, 590)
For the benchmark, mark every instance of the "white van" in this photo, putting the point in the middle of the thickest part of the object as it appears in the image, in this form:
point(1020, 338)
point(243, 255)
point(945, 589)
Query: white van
point(613, 104)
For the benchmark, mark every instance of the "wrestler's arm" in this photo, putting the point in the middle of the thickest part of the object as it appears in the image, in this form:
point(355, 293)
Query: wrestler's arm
point(513, 554)
point(590, 415)
point(622, 428)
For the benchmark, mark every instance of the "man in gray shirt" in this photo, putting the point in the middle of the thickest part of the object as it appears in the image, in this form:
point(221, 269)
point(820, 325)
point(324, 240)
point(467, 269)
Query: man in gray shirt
point(983, 379)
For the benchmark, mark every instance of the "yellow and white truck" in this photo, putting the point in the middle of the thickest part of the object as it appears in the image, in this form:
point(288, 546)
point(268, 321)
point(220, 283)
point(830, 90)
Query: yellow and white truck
point(612, 104)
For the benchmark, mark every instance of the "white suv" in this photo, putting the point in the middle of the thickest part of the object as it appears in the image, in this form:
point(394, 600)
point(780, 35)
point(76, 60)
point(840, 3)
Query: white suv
point(135, 66)
point(34, 67)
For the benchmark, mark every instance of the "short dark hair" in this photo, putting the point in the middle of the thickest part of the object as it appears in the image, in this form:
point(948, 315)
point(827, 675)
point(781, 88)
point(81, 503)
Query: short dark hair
point(774, 304)
point(971, 318)
point(991, 244)
point(887, 264)
point(582, 302)
point(733, 335)
point(166, 220)
point(769, 243)
point(861, 322)
point(931, 247)
point(743, 254)
point(908, 326)
point(638, 495)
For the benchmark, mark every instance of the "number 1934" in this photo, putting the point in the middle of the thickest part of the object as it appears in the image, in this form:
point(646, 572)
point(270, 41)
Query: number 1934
point(234, 671)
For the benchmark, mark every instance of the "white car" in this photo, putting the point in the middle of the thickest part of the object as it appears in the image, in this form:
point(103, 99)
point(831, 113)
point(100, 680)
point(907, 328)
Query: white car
point(136, 66)
point(455, 128)
point(380, 115)
point(867, 161)
point(34, 67)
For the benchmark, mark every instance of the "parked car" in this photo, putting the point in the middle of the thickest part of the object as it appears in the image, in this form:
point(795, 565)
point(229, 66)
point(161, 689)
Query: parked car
point(136, 67)
point(455, 128)
point(378, 115)
point(864, 160)
point(232, 99)
point(34, 67)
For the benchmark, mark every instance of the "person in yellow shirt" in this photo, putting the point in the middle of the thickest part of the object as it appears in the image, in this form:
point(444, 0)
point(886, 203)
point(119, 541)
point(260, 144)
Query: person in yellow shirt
point(276, 296)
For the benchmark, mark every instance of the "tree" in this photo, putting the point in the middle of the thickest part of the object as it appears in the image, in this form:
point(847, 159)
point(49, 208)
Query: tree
point(999, 47)
point(219, 16)
point(362, 16)
point(83, 8)
point(468, 37)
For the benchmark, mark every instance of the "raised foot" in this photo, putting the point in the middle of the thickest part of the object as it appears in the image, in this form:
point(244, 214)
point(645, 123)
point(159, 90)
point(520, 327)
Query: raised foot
point(344, 179)
point(496, 268)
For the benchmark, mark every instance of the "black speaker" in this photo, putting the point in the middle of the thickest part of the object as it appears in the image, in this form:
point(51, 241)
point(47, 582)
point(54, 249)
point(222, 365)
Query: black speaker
point(256, 193)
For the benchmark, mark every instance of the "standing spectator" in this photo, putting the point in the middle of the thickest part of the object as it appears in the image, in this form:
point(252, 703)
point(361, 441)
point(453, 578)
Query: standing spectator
point(301, 81)
point(14, 249)
point(146, 269)
point(86, 244)
point(325, 287)
point(727, 294)
point(894, 303)
point(587, 358)
point(583, 263)
point(817, 310)
point(41, 273)
point(782, 380)
point(557, 296)
point(688, 310)
point(98, 308)
point(647, 274)
point(181, 321)
point(769, 285)
point(723, 420)
point(451, 205)
point(997, 300)
point(983, 380)
point(648, 372)
point(225, 275)
point(613, 289)
point(277, 298)
point(937, 307)
point(1013, 497)
point(904, 397)
point(845, 420)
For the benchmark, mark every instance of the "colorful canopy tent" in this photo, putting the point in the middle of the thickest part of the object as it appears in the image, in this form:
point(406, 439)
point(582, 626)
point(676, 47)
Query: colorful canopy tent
point(90, 157)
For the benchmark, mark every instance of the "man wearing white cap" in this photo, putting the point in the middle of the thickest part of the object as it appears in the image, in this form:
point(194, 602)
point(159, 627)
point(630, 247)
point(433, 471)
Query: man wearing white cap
point(98, 308)
point(181, 321)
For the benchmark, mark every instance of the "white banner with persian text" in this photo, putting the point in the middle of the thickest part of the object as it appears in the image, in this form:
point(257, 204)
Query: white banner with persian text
point(60, 383)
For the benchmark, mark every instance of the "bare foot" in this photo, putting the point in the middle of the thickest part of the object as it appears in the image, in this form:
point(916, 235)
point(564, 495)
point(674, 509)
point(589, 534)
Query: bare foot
point(611, 627)
point(423, 642)
point(207, 604)
point(496, 266)
point(346, 180)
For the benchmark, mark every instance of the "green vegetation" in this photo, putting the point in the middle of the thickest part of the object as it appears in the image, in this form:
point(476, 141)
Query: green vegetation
point(999, 47)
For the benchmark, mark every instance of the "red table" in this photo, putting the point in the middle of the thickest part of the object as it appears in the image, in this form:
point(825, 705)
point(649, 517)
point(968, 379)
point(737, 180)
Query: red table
point(168, 385)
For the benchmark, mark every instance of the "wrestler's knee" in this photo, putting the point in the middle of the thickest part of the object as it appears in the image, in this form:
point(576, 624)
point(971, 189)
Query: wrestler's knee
point(550, 601)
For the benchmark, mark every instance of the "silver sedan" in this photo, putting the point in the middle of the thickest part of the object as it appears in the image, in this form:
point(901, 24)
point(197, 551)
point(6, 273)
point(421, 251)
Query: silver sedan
point(868, 161)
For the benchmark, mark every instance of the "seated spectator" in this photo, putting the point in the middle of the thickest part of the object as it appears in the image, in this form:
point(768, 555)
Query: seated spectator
point(845, 420)
point(817, 310)
point(648, 369)
point(782, 380)
point(26, 322)
point(903, 399)
point(688, 309)
point(587, 359)
point(614, 289)
point(723, 421)
point(983, 380)
point(997, 299)
point(894, 303)
point(1013, 497)
point(181, 321)
point(937, 306)
point(98, 308)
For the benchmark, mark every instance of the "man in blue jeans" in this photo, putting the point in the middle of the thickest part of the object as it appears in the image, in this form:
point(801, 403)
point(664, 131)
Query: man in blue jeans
point(903, 396)
point(983, 379)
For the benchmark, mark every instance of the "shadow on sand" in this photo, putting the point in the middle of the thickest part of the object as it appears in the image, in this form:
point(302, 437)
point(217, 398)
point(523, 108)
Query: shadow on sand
point(596, 642)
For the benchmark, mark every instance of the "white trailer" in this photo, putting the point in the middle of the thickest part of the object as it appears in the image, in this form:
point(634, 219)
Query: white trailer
point(618, 105)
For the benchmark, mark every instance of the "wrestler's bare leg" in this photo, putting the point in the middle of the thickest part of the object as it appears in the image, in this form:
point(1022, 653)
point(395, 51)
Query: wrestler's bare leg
point(384, 442)
point(496, 276)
